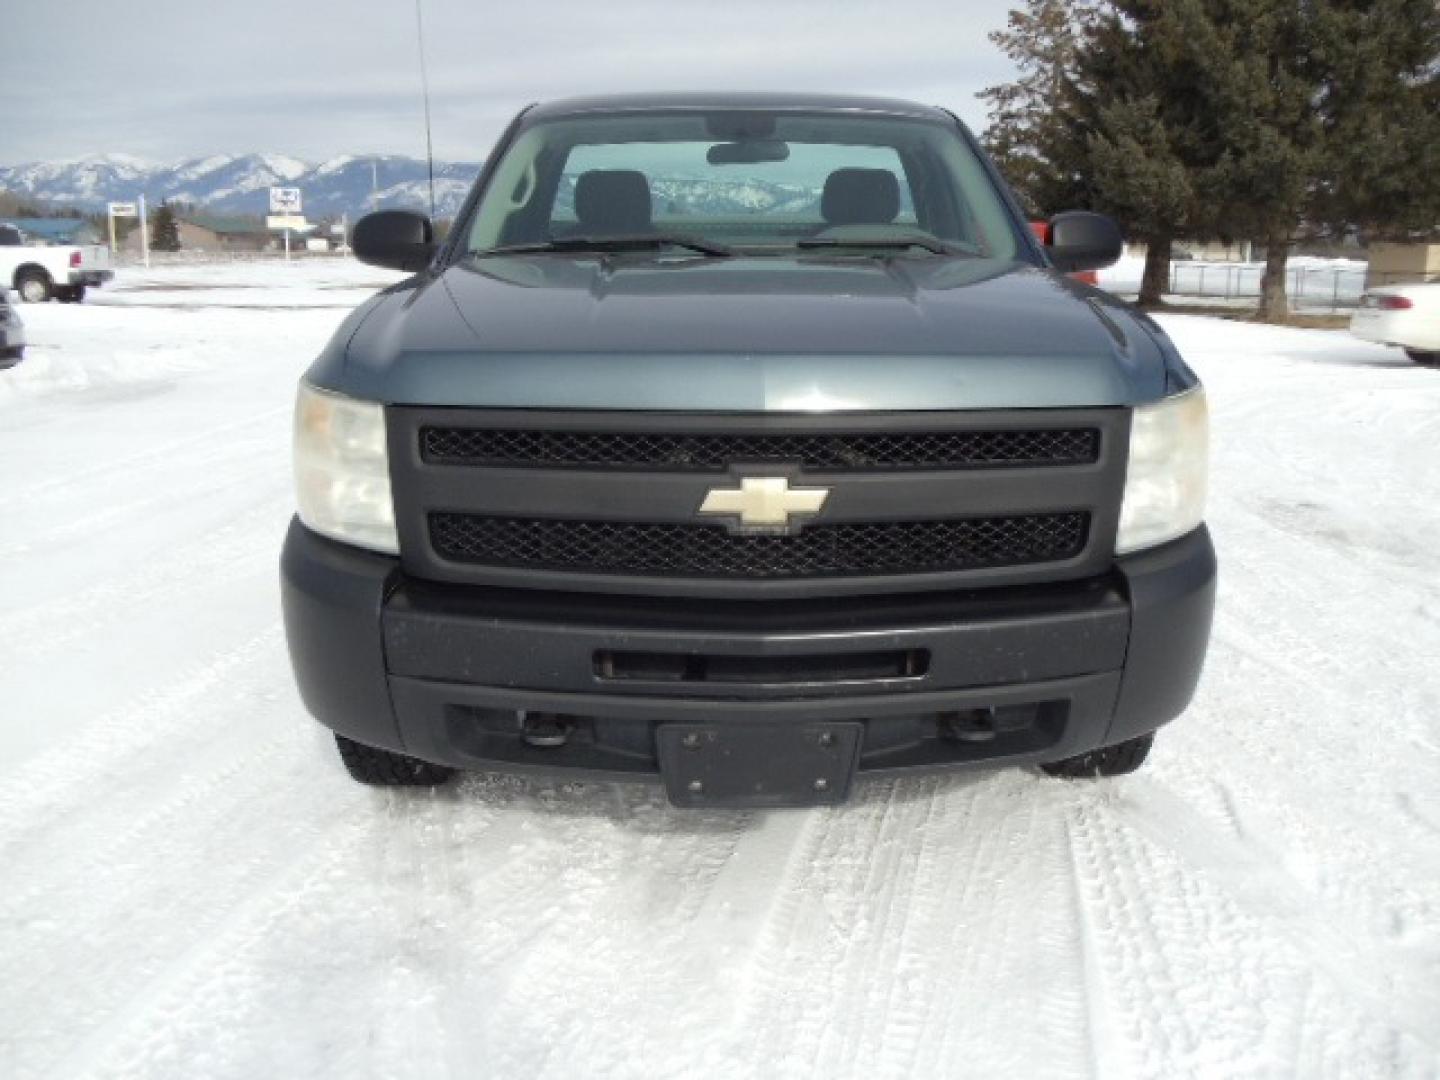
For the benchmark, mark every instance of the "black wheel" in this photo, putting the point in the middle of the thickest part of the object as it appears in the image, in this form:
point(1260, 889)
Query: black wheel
point(1426, 358)
point(384, 768)
point(10, 357)
point(70, 294)
point(33, 286)
point(1115, 760)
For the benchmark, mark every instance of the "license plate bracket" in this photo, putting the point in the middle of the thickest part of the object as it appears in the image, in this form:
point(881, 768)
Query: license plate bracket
point(757, 764)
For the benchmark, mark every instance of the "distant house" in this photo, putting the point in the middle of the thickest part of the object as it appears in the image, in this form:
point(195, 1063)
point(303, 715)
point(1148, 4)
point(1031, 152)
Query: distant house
point(1403, 264)
point(214, 232)
point(56, 232)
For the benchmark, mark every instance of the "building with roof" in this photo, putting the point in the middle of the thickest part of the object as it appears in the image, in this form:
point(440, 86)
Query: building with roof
point(1403, 264)
point(213, 232)
point(218, 232)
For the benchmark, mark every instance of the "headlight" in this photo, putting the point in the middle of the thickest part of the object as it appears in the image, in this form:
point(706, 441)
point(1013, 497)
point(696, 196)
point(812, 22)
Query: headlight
point(1165, 482)
point(342, 472)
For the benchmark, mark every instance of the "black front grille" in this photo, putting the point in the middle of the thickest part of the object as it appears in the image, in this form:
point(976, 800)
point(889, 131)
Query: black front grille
point(709, 551)
point(715, 452)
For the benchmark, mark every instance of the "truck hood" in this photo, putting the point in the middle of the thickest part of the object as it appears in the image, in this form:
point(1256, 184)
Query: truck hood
point(809, 334)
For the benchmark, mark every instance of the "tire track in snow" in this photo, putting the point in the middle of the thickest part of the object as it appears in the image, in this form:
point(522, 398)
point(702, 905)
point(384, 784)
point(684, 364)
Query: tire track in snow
point(903, 934)
point(1393, 982)
point(1204, 985)
point(1133, 948)
point(210, 1003)
point(212, 436)
point(967, 888)
point(982, 1011)
point(472, 961)
point(138, 1040)
point(1364, 864)
point(633, 879)
point(222, 556)
point(74, 953)
point(900, 886)
point(50, 786)
point(201, 476)
point(1105, 1056)
point(792, 1030)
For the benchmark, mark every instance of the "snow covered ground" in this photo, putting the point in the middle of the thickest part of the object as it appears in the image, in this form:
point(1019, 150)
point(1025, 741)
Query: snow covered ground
point(192, 887)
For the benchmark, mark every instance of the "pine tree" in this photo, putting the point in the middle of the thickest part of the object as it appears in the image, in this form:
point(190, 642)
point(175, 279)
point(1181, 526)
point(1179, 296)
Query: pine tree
point(1380, 63)
point(1260, 91)
point(1274, 120)
point(1148, 143)
point(1034, 135)
point(1327, 121)
point(1102, 118)
point(164, 229)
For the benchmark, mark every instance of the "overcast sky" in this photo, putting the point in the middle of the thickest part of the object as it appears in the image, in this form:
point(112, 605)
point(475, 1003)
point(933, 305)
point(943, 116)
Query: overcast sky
point(167, 79)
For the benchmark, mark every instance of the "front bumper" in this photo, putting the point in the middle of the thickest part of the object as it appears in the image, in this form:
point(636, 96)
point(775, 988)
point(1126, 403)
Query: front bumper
point(452, 674)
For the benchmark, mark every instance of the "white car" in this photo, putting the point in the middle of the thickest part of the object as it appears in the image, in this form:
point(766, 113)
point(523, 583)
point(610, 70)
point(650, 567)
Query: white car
point(1403, 315)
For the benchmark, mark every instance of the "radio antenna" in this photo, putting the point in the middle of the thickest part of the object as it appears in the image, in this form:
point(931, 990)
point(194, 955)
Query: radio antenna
point(425, 92)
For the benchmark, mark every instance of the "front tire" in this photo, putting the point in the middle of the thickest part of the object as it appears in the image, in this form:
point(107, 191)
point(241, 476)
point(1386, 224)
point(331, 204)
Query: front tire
point(33, 286)
point(385, 768)
point(1115, 760)
point(1426, 358)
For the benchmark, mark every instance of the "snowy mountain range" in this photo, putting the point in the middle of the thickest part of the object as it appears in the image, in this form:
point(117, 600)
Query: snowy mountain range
point(238, 184)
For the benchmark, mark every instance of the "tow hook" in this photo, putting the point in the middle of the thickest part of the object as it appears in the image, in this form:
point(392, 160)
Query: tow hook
point(544, 729)
point(971, 725)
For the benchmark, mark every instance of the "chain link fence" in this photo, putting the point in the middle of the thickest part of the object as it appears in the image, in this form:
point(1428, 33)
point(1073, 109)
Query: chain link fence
point(1310, 288)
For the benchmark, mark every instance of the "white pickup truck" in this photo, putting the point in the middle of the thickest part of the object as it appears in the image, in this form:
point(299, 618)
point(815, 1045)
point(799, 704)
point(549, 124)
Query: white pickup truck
point(39, 273)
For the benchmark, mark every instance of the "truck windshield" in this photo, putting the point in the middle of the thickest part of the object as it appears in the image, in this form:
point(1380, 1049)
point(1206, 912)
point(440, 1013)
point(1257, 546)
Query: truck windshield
point(743, 182)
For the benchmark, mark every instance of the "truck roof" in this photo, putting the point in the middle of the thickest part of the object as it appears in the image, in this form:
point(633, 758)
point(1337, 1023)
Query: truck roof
point(649, 102)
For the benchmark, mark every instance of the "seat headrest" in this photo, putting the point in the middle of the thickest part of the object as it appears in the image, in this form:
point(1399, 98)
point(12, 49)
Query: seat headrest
point(860, 197)
point(613, 201)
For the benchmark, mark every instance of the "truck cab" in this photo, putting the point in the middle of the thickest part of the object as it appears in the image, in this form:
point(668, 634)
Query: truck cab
point(751, 444)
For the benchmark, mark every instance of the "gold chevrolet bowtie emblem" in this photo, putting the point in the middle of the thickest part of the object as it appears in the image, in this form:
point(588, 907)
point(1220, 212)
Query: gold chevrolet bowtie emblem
point(764, 501)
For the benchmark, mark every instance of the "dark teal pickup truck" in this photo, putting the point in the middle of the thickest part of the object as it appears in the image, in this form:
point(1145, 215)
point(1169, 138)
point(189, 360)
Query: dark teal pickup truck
point(749, 443)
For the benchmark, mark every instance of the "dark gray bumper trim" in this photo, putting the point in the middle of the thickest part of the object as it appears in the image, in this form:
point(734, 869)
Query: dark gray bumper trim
point(1133, 643)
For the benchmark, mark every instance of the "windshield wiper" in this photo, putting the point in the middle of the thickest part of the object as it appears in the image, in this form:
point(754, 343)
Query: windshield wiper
point(884, 243)
point(638, 242)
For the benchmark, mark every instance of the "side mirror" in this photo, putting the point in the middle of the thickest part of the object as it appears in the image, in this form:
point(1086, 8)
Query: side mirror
point(1080, 240)
point(397, 239)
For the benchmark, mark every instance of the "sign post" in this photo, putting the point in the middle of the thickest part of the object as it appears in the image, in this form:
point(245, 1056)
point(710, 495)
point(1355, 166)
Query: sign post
point(144, 233)
point(285, 212)
point(119, 210)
